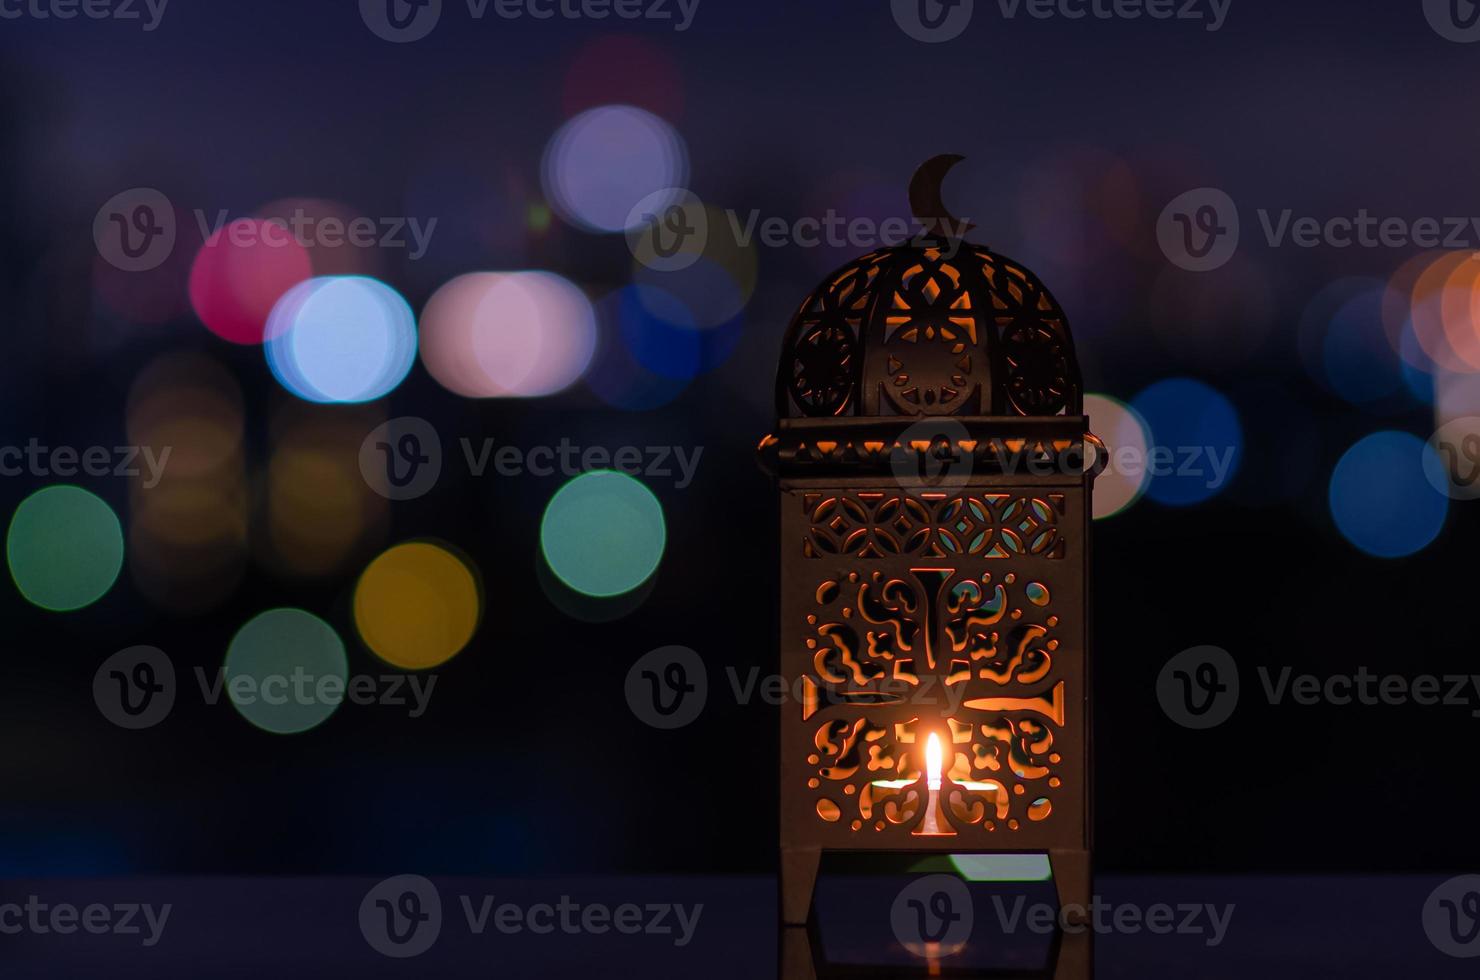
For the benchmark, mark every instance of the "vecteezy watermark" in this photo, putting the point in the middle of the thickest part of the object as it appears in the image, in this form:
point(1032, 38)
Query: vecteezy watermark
point(1199, 688)
point(668, 688)
point(136, 688)
point(137, 230)
point(38, 918)
point(928, 456)
point(1200, 230)
point(402, 459)
point(933, 916)
point(669, 229)
point(1451, 917)
point(402, 917)
point(1107, 918)
point(935, 21)
point(404, 21)
point(39, 460)
point(1454, 20)
point(148, 13)
point(1452, 462)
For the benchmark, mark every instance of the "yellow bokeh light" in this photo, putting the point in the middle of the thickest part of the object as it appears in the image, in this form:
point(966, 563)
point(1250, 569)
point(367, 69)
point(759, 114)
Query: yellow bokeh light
point(417, 605)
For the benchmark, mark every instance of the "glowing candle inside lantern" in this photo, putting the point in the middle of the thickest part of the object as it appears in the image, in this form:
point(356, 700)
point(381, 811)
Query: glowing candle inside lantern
point(933, 761)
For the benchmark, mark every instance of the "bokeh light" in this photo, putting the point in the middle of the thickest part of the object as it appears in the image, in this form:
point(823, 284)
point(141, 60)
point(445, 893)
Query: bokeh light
point(617, 376)
point(286, 671)
point(417, 605)
point(627, 69)
point(239, 275)
point(322, 517)
point(187, 522)
point(1198, 441)
point(341, 339)
point(508, 334)
point(1439, 310)
point(1127, 441)
point(65, 548)
point(1380, 498)
point(600, 164)
point(603, 533)
point(339, 241)
point(1314, 325)
point(716, 285)
point(1359, 363)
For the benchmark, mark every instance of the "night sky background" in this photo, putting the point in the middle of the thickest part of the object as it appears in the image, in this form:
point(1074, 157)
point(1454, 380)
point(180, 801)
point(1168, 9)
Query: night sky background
point(529, 760)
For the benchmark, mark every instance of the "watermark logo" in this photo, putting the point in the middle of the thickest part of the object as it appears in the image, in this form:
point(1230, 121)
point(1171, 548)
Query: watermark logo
point(1199, 688)
point(1454, 20)
point(668, 229)
point(668, 687)
point(1451, 917)
point(402, 459)
point(401, 21)
point(40, 460)
point(135, 688)
point(1453, 463)
point(1104, 918)
point(39, 918)
point(401, 917)
point(933, 916)
point(1199, 230)
point(404, 21)
point(933, 21)
point(135, 230)
point(149, 13)
point(928, 456)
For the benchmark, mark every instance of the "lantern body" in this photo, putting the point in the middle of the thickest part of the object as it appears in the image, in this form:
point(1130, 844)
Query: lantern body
point(934, 518)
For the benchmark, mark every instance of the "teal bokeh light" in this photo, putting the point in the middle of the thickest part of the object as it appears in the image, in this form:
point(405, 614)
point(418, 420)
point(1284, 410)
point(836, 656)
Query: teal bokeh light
point(65, 548)
point(603, 533)
point(286, 671)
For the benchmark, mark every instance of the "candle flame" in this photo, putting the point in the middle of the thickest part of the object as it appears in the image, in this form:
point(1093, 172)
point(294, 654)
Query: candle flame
point(933, 760)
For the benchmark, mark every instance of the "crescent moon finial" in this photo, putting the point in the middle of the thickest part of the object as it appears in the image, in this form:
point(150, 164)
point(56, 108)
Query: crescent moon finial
point(925, 198)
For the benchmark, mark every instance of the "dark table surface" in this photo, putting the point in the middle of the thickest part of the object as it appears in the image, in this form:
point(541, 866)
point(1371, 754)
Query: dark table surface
point(1274, 927)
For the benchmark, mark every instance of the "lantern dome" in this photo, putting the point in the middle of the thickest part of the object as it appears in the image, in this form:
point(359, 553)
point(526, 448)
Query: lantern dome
point(938, 326)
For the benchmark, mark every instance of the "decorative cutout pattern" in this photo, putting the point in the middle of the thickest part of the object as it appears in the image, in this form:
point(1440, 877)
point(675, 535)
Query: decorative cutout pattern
point(939, 650)
point(917, 330)
point(820, 370)
point(934, 525)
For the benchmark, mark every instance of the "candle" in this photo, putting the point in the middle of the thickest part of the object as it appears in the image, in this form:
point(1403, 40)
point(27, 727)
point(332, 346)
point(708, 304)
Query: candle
point(932, 782)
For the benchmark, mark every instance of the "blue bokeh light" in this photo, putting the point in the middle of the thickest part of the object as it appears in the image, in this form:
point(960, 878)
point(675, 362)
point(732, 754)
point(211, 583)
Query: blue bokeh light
point(1359, 362)
point(1197, 440)
point(341, 339)
point(617, 375)
point(1380, 499)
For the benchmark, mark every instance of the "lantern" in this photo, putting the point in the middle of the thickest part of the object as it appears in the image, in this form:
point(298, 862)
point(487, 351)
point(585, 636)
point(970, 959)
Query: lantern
point(935, 468)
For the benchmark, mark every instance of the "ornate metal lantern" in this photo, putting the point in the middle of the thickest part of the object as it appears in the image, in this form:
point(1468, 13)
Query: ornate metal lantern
point(931, 456)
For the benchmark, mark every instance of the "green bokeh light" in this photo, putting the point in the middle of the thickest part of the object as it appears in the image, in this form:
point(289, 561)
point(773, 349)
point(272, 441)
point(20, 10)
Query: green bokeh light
point(1003, 867)
point(286, 671)
point(603, 533)
point(65, 548)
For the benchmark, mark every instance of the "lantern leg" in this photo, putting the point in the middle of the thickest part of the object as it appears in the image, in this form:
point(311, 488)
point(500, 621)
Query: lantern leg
point(1076, 956)
point(796, 954)
point(1073, 880)
point(799, 867)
